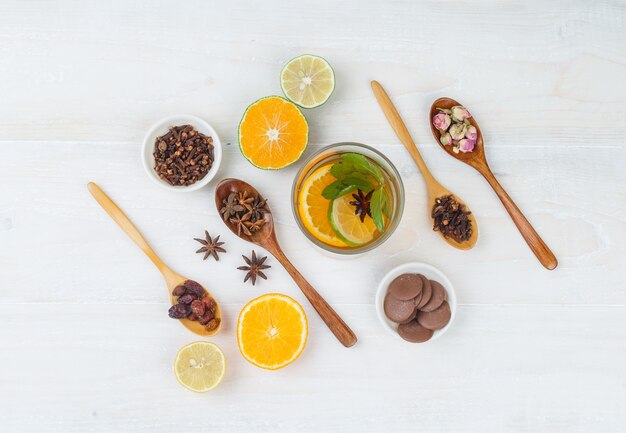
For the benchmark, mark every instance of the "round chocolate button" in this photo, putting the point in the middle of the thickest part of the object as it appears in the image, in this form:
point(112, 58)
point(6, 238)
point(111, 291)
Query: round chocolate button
point(406, 286)
point(396, 310)
point(413, 316)
point(414, 332)
point(437, 298)
point(435, 319)
point(427, 291)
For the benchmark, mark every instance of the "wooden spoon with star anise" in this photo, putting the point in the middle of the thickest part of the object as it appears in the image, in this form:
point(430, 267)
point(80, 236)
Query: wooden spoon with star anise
point(231, 193)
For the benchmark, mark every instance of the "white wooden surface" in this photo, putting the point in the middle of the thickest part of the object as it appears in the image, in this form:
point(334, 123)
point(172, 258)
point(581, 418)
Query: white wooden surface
point(85, 342)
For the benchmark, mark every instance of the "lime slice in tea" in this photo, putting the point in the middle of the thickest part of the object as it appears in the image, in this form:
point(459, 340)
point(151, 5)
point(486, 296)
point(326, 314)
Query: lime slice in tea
point(347, 225)
point(307, 81)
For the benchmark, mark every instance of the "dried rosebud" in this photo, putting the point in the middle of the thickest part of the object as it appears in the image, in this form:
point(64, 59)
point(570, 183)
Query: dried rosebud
point(471, 133)
point(457, 131)
point(445, 139)
point(444, 110)
point(460, 113)
point(442, 121)
point(466, 145)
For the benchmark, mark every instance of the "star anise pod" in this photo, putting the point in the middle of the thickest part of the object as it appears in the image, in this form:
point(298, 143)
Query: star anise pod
point(254, 267)
point(240, 222)
point(231, 206)
point(254, 226)
point(256, 209)
point(243, 199)
point(361, 203)
point(210, 246)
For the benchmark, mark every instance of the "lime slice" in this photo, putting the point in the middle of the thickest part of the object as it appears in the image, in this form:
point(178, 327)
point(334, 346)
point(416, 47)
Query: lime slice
point(307, 81)
point(347, 225)
point(200, 366)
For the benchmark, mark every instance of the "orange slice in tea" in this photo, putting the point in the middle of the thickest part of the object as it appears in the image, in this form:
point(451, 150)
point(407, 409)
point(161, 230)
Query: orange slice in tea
point(273, 133)
point(313, 207)
point(272, 331)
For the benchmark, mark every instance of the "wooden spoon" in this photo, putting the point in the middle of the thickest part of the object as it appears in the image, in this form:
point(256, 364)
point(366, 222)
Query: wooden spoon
point(172, 279)
point(477, 159)
point(266, 238)
point(435, 189)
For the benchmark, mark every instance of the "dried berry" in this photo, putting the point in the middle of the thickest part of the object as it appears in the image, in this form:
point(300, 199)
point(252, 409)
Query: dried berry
point(198, 307)
point(195, 288)
point(187, 298)
point(209, 302)
point(206, 318)
point(213, 324)
point(179, 291)
point(192, 317)
point(179, 311)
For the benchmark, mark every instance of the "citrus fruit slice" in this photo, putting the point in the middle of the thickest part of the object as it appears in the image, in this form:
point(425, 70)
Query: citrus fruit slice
point(272, 331)
point(313, 207)
point(308, 81)
point(347, 225)
point(273, 133)
point(200, 366)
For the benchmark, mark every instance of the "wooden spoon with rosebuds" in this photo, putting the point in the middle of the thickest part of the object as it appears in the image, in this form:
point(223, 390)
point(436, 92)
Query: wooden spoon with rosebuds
point(266, 237)
point(476, 158)
point(435, 189)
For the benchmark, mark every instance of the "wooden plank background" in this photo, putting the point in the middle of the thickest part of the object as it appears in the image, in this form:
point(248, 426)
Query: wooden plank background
point(86, 345)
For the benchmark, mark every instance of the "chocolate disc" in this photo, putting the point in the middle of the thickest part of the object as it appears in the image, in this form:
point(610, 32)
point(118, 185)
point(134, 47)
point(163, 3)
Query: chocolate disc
point(427, 291)
point(396, 310)
point(414, 332)
point(413, 316)
point(437, 298)
point(405, 287)
point(436, 319)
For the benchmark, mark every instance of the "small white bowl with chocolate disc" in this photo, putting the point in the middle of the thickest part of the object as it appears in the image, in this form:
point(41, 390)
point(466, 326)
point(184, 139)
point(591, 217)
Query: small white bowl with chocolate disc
point(416, 302)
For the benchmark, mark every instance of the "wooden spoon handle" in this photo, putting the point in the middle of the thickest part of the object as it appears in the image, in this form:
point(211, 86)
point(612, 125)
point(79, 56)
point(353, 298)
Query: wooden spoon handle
point(336, 324)
point(126, 225)
point(396, 122)
point(532, 238)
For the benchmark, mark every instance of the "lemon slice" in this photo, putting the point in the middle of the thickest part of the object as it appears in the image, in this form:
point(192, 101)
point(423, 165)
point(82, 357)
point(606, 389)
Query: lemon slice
point(200, 366)
point(313, 207)
point(347, 225)
point(307, 81)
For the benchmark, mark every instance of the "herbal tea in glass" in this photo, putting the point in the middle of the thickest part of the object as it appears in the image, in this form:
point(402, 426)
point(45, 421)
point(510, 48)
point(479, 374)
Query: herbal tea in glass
point(348, 198)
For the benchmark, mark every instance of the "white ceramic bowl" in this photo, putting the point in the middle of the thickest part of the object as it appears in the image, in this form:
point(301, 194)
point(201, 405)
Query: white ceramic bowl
point(429, 272)
point(161, 128)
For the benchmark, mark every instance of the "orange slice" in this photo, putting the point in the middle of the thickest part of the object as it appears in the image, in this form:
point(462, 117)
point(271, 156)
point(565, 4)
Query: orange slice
point(272, 331)
point(313, 208)
point(273, 133)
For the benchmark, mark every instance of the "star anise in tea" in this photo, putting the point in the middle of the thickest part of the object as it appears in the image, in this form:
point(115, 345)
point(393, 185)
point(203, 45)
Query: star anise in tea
point(254, 268)
point(231, 206)
point(361, 203)
point(210, 247)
